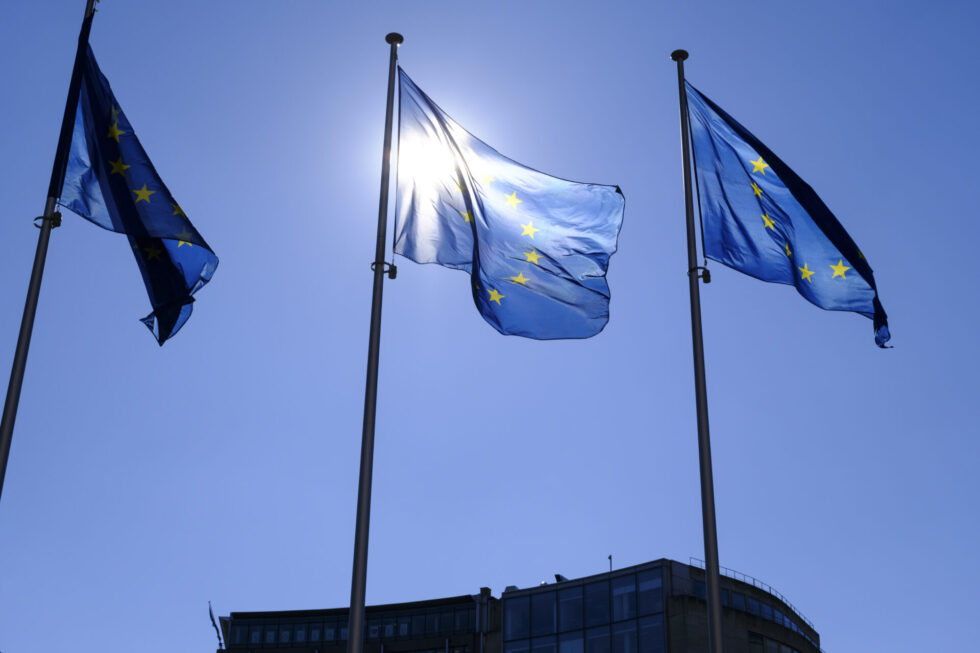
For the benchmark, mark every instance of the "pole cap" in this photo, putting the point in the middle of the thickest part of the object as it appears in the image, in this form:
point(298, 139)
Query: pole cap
point(678, 55)
point(394, 37)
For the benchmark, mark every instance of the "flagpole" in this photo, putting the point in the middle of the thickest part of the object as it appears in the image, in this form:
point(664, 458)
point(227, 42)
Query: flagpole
point(355, 629)
point(49, 220)
point(712, 574)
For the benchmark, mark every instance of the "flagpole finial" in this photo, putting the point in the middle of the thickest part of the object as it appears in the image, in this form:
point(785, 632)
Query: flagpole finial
point(394, 37)
point(678, 55)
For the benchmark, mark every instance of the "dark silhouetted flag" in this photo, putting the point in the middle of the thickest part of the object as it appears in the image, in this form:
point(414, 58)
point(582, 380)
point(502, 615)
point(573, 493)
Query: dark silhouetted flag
point(111, 182)
point(762, 219)
point(536, 247)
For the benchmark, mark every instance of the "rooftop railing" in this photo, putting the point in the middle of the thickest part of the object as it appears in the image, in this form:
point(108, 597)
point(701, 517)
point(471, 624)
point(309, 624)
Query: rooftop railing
point(755, 582)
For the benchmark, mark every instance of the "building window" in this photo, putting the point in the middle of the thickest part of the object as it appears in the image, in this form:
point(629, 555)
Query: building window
point(571, 643)
point(431, 622)
point(597, 603)
point(329, 631)
point(255, 635)
point(543, 644)
point(650, 596)
point(300, 636)
point(404, 625)
point(520, 646)
point(517, 617)
point(597, 639)
point(760, 644)
point(570, 609)
point(285, 631)
point(738, 601)
point(315, 631)
point(465, 620)
point(700, 591)
point(418, 625)
point(753, 606)
point(270, 634)
point(651, 639)
point(623, 598)
point(542, 614)
point(767, 613)
point(624, 637)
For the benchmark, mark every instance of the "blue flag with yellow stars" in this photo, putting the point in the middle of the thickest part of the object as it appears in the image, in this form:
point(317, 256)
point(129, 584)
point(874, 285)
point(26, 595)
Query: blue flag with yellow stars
point(111, 182)
point(537, 247)
point(762, 219)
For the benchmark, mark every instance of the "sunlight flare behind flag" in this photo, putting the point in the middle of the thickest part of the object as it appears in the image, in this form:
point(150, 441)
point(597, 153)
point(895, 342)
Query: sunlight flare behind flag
point(760, 218)
point(110, 181)
point(537, 247)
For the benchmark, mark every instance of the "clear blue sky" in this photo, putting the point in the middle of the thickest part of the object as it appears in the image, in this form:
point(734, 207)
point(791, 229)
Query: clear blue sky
point(145, 481)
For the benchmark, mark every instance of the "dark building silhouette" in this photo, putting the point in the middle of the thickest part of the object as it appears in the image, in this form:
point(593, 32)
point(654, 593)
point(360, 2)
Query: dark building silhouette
point(657, 607)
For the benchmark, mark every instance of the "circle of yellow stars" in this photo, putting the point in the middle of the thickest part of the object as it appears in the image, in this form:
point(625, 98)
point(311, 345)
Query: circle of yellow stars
point(806, 274)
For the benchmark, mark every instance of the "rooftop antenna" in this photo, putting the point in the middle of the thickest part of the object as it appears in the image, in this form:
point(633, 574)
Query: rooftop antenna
point(610, 563)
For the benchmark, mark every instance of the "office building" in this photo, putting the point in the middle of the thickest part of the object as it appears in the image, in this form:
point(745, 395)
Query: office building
point(656, 607)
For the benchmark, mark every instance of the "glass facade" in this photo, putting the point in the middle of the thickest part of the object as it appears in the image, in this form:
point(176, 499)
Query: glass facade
point(760, 644)
point(409, 624)
point(738, 601)
point(622, 614)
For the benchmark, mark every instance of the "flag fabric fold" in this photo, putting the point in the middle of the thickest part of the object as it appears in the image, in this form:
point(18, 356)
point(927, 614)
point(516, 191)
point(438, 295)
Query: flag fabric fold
point(537, 247)
point(760, 218)
point(110, 181)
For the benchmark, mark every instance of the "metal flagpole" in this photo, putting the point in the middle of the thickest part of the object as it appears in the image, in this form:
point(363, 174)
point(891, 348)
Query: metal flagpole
point(49, 220)
point(694, 272)
point(355, 630)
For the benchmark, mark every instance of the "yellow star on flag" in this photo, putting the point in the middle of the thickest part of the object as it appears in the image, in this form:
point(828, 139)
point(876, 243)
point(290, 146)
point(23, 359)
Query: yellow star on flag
point(495, 296)
point(143, 195)
point(520, 278)
point(532, 257)
point(759, 166)
point(152, 252)
point(466, 216)
point(183, 236)
point(839, 269)
point(488, 180)
point(756, 190)
point(768, 221)
point(115, 132)
point(806, 272)
point(118, 167)
point(114, 112)
point(512, 199)
point(529, 229)
point(177, 210)
point(788, 252)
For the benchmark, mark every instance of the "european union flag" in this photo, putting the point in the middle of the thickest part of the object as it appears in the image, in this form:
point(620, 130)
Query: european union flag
point(536, 247)
point(111, 182)
point(762, 219)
